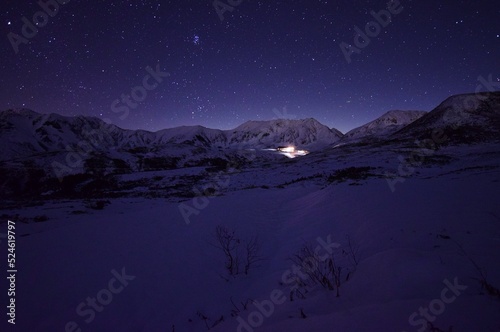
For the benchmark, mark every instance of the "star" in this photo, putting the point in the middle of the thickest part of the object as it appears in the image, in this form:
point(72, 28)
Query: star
point(262, 57)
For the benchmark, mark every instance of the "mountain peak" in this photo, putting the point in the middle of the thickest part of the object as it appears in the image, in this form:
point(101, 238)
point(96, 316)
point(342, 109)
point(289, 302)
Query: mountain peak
point(308, 133)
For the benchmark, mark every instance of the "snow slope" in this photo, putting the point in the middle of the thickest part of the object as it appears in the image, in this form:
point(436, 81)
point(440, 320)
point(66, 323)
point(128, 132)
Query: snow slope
point(407, 247)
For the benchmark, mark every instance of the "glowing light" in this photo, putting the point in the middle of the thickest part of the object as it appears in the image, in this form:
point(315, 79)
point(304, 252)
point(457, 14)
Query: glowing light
point(292, 152)
point(289, 149)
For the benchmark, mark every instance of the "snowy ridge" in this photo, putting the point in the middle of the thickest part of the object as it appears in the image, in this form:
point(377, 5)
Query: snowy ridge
point(307, 133)
point(26, 133)
point(385, 125)
point(465, 118)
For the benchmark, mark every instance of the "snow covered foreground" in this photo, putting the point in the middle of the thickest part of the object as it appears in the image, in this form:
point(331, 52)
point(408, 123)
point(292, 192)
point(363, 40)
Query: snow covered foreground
point(152, 271)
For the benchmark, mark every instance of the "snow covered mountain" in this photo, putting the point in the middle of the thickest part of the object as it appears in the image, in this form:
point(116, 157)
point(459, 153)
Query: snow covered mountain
point(385, 125)
point(307, 133)
point(26, 133)
point(52, 146)
point(40, 148)
point(465, 118)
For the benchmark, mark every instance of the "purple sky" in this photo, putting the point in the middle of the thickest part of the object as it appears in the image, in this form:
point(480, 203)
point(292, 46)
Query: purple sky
point(265, 59)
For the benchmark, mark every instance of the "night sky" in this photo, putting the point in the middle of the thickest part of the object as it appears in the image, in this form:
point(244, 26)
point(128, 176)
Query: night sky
point(264, 60)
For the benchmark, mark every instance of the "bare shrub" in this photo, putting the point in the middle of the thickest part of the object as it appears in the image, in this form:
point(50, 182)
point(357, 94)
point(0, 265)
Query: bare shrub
point(240, 255)
point(329, 270)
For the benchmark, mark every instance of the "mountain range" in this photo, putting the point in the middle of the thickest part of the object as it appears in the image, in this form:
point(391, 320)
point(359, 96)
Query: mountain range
point(56, 146)
point(24, 132)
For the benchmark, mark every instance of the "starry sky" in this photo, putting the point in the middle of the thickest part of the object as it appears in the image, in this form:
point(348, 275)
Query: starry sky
point(151, 65)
